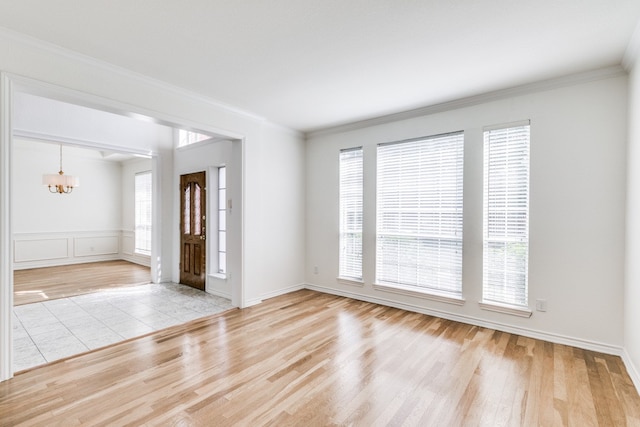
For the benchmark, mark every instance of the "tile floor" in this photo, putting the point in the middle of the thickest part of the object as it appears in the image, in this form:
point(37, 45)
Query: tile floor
point(51, 330)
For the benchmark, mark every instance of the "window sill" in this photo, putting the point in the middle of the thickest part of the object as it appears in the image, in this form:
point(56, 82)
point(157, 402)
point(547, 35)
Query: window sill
point(430, 294)
point(350, 281)
point(506, 309)
point(218, 276)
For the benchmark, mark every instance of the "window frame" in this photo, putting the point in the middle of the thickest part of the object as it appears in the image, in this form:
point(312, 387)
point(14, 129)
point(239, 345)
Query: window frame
point(148, 225)
point(351, 210)
point(428, 148)
point(512, 203)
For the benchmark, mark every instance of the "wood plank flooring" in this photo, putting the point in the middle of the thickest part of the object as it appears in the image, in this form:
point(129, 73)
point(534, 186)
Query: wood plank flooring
point(311, 359)
point(41, 284)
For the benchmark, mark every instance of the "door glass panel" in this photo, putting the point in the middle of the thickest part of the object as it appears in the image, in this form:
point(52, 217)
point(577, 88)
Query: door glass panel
point(187, 209)
point(198, 215)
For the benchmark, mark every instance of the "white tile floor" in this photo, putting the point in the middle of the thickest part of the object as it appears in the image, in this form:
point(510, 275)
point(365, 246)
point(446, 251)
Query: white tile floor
point(51, 330)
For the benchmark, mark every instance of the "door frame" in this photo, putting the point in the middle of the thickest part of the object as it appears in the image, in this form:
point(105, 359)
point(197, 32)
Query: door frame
point(203, 236)
point(162, 165)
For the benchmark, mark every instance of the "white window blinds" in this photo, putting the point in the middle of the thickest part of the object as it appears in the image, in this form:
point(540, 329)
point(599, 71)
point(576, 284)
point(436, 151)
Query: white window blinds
point(419, 214)
point(143, 213)
point(506, 215)
point(222, 220)
point(350, 263)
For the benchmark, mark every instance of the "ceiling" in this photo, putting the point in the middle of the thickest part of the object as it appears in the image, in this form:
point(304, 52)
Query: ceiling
point(309, 64)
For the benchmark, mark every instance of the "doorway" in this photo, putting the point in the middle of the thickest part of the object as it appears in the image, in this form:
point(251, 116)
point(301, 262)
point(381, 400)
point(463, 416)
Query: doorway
point(164, 236)
point(193, 216)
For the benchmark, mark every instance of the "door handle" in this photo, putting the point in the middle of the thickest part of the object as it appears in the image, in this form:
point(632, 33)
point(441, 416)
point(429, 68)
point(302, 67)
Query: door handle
point(203, 237)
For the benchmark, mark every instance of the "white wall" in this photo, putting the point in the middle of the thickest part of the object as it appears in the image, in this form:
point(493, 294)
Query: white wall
point(283, 215)
point(95, 205)
point(44, 116)
point(54, 229)
point(577, 210)
point(632, 278)
point(129, 169)
point(207, 156)
point(53, 72)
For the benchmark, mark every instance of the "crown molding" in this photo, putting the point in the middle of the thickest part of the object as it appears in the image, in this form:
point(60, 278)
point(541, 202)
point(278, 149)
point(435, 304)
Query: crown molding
point(633, 49)
point(82, 143)
point(293, 132)
point(94, 62)
point(569, 80)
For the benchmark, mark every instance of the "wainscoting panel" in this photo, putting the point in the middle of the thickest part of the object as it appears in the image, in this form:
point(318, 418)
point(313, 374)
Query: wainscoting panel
point(40, 250)
point(35, 250)
point(96, 245)
point(128, 242)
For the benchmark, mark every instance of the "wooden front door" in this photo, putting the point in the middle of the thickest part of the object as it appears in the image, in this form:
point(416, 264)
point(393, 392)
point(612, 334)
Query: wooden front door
point(192, 229)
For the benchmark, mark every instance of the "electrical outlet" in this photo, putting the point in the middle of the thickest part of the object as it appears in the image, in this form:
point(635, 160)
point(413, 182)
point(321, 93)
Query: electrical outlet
point(315, 270)
point(541, 305)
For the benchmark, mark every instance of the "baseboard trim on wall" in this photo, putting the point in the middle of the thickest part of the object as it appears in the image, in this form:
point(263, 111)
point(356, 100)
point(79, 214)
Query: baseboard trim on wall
point(633, 371)
point(56, 263)
point(219, 293)
point(145, 261)
point(283, 291)
point(530, 333)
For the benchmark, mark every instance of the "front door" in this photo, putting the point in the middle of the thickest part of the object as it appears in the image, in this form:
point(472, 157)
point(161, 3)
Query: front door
point(192, 229)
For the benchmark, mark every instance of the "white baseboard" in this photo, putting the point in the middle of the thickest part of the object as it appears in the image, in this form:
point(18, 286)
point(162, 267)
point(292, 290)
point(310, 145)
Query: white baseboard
point(633, 371)
point(251, 302)
point(531, 333)
point(71, 261)
point(283, 291)
point(145, 261)
point(219, 293)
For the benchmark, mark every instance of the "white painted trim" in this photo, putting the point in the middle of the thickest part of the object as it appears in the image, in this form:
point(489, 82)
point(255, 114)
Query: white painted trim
point(142, 260)
point(219, 293)
point(72, 255)
point(6, 247)
point(283, 291)
point(350, 282)
point(83, 143)
point(430, 295)
point(526, 332)
point(93, 62)
point(559, 82)
point(632, 370)
point(39, 88)
point(251, 302)
point(276, 126)
point(633, 49)
point(505, 309)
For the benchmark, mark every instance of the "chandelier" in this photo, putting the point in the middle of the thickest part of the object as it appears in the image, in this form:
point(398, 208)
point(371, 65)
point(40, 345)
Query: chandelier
point(59, 182)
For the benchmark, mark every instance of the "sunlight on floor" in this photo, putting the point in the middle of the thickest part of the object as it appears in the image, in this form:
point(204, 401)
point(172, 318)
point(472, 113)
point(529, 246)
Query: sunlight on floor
point(56, 329)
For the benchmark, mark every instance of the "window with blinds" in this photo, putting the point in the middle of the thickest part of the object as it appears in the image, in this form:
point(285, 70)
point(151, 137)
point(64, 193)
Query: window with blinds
point(350, 262)
point(143, 213)
point(222, 220)
point(419, 214)
point(506, 214)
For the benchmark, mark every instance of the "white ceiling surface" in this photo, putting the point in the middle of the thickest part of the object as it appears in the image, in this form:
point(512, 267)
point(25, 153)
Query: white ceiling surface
point(47, 119)
point(314, 64)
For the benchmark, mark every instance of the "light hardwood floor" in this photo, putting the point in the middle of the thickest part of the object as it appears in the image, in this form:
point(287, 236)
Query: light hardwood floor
point(311, 359)
point(41, 284)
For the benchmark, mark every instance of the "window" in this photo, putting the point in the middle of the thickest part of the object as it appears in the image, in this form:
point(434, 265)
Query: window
point(186, 137)
point(419, 214)
point(506, 215)
point(143, 213)
point(222, 220)
point(350, 264)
